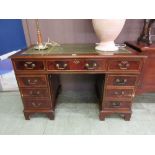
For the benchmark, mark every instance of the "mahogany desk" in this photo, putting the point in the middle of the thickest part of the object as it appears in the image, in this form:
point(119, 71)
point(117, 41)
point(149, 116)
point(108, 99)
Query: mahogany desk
point(117, 77)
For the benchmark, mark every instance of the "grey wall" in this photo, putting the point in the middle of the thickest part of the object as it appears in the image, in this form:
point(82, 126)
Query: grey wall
point(77, 31)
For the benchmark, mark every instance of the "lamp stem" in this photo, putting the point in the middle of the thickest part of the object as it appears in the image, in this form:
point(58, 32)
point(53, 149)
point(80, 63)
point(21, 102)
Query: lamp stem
point(39, 35)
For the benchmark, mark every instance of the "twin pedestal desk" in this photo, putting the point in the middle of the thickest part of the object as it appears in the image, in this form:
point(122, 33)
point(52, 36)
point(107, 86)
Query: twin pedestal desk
point(117, 76)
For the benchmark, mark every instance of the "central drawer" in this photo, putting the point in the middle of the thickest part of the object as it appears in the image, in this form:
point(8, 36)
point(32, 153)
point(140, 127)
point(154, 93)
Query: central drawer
point(76, 64)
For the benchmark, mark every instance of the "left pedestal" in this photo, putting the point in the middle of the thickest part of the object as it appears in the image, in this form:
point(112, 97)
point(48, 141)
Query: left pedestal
point(38, 94)
point(38, 90)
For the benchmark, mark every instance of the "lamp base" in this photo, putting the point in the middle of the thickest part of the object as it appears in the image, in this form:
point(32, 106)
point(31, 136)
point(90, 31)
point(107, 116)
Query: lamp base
point(107, 46)
point(41, 47)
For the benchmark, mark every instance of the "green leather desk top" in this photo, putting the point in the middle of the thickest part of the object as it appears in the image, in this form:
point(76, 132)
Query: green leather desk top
point(72, 49)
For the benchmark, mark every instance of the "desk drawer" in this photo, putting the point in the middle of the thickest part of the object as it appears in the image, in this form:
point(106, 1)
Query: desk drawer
point(119, 93)
point(122, 80)
point(98, 64)
point(117, 105)
point(37, 104)
point(27, 92)
point(29, 65)
point(77, 64)
point(58, 65)
point(124, 65)
point(32, 81)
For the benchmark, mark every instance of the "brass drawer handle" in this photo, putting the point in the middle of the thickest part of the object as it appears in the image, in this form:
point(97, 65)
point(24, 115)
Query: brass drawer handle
point(32, 82)
point(29, 65)
point(121, 81)
point(34, 93)
point(38, 92)
point(116, 104)
point(61, 68)
point(87, 65)
point(124, 65)
point(119, 93)
point(36, 105)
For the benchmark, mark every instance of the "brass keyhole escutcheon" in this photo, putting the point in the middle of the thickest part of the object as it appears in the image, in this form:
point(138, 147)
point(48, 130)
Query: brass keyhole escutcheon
point(76, 61)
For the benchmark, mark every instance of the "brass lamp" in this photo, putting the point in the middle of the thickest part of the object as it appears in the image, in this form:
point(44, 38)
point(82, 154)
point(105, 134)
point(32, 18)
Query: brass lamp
point(40, 45)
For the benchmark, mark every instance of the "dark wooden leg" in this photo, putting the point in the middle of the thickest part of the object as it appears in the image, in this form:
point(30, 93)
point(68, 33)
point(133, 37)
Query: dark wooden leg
point(127, 117)
point(97, 91)
point(102, 116)
point(27, 115)
point(50, 115)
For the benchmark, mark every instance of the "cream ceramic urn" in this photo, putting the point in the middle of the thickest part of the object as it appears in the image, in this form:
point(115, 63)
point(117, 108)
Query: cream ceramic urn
point(107, 31)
